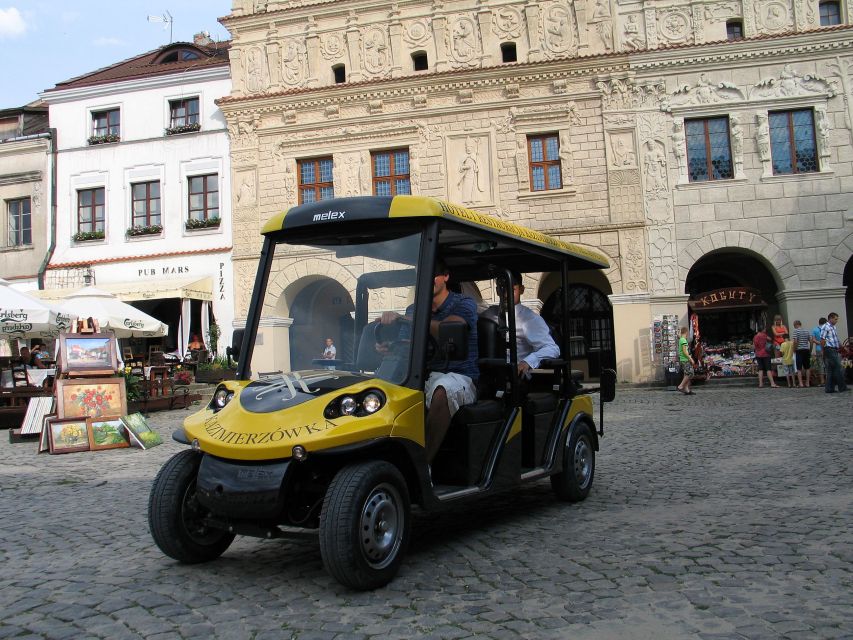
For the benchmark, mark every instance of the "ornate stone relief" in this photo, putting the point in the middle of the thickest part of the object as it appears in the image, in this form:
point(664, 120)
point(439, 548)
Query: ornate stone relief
point(507, 23)
point(36, 197)
point(720, 11)
point(355, 175)
point(823, 131)
point(243, 134)
point(332, 46)
point(558, 30)
point(654, 169)
point(703, 92)
point(634, 275)
point(463, 41)
point(376, 52)
point(469, 168)
point(762, 138)
point(632, 35)
point(521, 166)
point(621, 151)
point(662, 264)
point(625, 195)
point(843, 68)
point(568, 110)
point(623, 93)
point(619, 119)
point(679, 149)
point(567, 162)
point(675, 26)
point(792, 84)
point(255, 71)
point(417, 32)
point(294, 63)
point(601, 21)
point(736, 131)
point(772, 15)
point(246, 192)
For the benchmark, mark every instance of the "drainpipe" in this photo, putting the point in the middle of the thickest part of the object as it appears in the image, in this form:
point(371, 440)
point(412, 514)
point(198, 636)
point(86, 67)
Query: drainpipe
point(52, 246)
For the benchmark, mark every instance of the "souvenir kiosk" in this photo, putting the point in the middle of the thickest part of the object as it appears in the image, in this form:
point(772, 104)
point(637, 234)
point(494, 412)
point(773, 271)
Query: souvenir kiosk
point(723, 323)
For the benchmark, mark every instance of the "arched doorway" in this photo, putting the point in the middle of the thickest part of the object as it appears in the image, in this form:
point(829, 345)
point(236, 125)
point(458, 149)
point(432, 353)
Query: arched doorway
point(322, 309)
point(591, 319)
point(732, 293)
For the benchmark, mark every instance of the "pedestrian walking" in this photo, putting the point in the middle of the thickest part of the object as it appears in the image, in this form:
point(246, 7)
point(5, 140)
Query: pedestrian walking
point(818, 365)
point(830, 343)
point(762, 344)
point(802, 353)
point(787, 350)
point(687, 363)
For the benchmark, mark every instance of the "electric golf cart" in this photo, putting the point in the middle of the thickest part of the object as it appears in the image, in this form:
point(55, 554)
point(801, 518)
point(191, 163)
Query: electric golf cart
point(338, 450)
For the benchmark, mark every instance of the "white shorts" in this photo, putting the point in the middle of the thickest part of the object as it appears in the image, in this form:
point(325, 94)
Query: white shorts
point(460, 389)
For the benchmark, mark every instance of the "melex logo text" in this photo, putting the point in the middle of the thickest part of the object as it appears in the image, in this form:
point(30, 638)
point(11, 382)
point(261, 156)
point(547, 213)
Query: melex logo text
point(329, 215)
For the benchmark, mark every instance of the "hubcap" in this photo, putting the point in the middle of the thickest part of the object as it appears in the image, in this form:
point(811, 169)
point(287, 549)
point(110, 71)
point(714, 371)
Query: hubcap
point(380, 526)
point(582, 462)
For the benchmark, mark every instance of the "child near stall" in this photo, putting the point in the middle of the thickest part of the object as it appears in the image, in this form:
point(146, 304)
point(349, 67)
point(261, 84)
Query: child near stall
point(787, 349)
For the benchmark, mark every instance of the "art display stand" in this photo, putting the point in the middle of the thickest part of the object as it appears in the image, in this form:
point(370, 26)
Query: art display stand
point(664, 347)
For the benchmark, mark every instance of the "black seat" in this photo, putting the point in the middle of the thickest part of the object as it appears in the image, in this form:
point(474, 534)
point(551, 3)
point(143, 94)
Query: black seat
point(492, 348)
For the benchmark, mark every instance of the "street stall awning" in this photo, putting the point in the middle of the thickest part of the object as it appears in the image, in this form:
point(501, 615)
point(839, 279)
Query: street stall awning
point(727, 299)
point(185, 288)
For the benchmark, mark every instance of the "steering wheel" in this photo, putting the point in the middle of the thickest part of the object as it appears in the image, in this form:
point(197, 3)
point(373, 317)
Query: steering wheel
point(390, 334)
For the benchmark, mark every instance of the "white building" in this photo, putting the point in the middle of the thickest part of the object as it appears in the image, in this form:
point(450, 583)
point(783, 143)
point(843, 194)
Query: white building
point(143, 195)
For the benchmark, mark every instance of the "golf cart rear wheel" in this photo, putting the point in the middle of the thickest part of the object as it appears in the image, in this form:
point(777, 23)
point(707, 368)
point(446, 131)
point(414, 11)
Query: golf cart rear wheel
point(175, 517)
point(574, 482)
point(364, 525)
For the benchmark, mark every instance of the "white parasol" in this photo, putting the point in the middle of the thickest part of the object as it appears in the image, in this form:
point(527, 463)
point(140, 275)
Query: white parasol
point(23, 316)
point(125, 320)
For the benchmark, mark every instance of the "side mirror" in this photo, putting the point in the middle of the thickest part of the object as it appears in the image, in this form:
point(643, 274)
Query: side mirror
point(236, 343)
point(453, 340)
point(608, 385)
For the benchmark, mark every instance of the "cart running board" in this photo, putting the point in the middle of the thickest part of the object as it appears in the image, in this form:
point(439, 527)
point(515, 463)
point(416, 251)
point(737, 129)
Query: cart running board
point(259, 531)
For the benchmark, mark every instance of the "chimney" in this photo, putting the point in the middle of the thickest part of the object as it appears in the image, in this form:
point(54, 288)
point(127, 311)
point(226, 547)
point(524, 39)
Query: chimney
point(202, 39)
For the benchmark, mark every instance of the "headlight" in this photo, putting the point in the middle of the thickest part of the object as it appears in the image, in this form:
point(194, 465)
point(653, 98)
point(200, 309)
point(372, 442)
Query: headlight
point(371, 403)
point(348, 405)
point(221, 397)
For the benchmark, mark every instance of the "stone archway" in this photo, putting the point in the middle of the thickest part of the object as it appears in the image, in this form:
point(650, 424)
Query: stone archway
point(321, 309)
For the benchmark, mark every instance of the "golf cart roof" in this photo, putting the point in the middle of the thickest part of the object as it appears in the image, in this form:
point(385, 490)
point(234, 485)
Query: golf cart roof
point(335, 215)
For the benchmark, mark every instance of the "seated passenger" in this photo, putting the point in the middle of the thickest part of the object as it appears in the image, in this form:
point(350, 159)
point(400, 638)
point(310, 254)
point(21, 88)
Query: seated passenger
point(449, 389)
point(533, 339)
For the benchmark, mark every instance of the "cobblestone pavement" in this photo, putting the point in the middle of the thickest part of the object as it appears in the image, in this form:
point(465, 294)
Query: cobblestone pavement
point(727, 514)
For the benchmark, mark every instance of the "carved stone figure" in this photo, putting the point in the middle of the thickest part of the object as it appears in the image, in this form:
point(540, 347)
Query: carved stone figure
point(521, 160)
point(375, 51)
point(558, 29)
point(763, 137)
point(352, 174)
point(507, 23)
point(469, 184)
point(256, 75)
point(822, 125)
point(464, 45)
point(293, 63)
point(623, 154)
point(246, 193)
point(289, 182)
point(679, 148)
point(737, 144)
point(631, 38)
point(566, 159)
point(655, 169)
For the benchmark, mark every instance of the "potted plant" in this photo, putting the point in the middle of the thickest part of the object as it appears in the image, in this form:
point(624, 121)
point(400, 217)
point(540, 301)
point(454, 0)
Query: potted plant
point(182, 376)
point(107, 137)
point(213, 333)
point(202, 224)
point(83, 236)
point(145, 230)
point(214, 371)
point(183, 128)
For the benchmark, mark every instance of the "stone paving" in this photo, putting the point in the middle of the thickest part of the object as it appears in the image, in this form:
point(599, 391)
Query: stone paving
point(727, 514)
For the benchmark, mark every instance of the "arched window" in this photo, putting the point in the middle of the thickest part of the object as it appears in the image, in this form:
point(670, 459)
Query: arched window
point(734, 29)
point(508, 52)
point(178, 54)
point(340, 73)
point(830, 13)
point(420, 62)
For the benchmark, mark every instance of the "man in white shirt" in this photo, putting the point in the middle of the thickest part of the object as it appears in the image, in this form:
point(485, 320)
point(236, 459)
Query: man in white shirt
point(330, 352)
point(532, 336)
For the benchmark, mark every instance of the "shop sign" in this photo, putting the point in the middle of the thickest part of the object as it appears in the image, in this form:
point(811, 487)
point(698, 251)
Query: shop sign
point(727, 297)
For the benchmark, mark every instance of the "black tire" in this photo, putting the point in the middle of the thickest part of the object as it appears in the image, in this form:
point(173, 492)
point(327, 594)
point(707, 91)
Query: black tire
point(574, 482)
point(174, 514)
point(365, 525)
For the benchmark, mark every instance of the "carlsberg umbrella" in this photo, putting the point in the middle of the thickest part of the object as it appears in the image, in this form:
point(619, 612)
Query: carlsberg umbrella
point(125, 320)
point(23, 316)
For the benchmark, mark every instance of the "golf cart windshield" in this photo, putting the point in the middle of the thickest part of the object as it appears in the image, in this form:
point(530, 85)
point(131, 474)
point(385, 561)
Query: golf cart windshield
point(331, 292)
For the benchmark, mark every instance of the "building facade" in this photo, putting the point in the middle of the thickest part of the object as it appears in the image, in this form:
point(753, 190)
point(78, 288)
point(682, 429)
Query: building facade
point(26, 174)
point(143, 189)
point(704, 147)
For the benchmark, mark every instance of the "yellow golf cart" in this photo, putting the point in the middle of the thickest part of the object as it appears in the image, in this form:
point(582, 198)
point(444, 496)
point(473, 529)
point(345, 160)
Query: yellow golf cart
point(338, 451)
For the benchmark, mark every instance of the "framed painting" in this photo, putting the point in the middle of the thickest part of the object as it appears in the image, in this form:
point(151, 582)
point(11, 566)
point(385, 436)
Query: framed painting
point(67, 435)
point(139, 432)
point(44, 438)
point(91, 397)
point(106, 433)
point(88, 354)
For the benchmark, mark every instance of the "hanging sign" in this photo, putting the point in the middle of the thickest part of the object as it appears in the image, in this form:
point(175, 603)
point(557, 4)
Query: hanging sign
point(727, 298)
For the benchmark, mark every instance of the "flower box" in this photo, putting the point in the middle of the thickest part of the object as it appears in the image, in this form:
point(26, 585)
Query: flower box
point(213, 376)
point(210, 223)
point(104, 139)
point(149, 230)
point(183, 128)
point(84, 236)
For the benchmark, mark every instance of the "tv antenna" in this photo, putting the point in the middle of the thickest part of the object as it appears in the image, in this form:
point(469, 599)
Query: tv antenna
point(167, 21)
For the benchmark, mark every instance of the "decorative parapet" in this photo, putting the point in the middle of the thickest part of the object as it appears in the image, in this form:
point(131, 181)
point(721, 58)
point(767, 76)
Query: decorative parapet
point(623, 93)
point(702, 93)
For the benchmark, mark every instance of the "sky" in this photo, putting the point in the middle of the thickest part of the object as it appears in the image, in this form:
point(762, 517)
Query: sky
point(43, 42)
